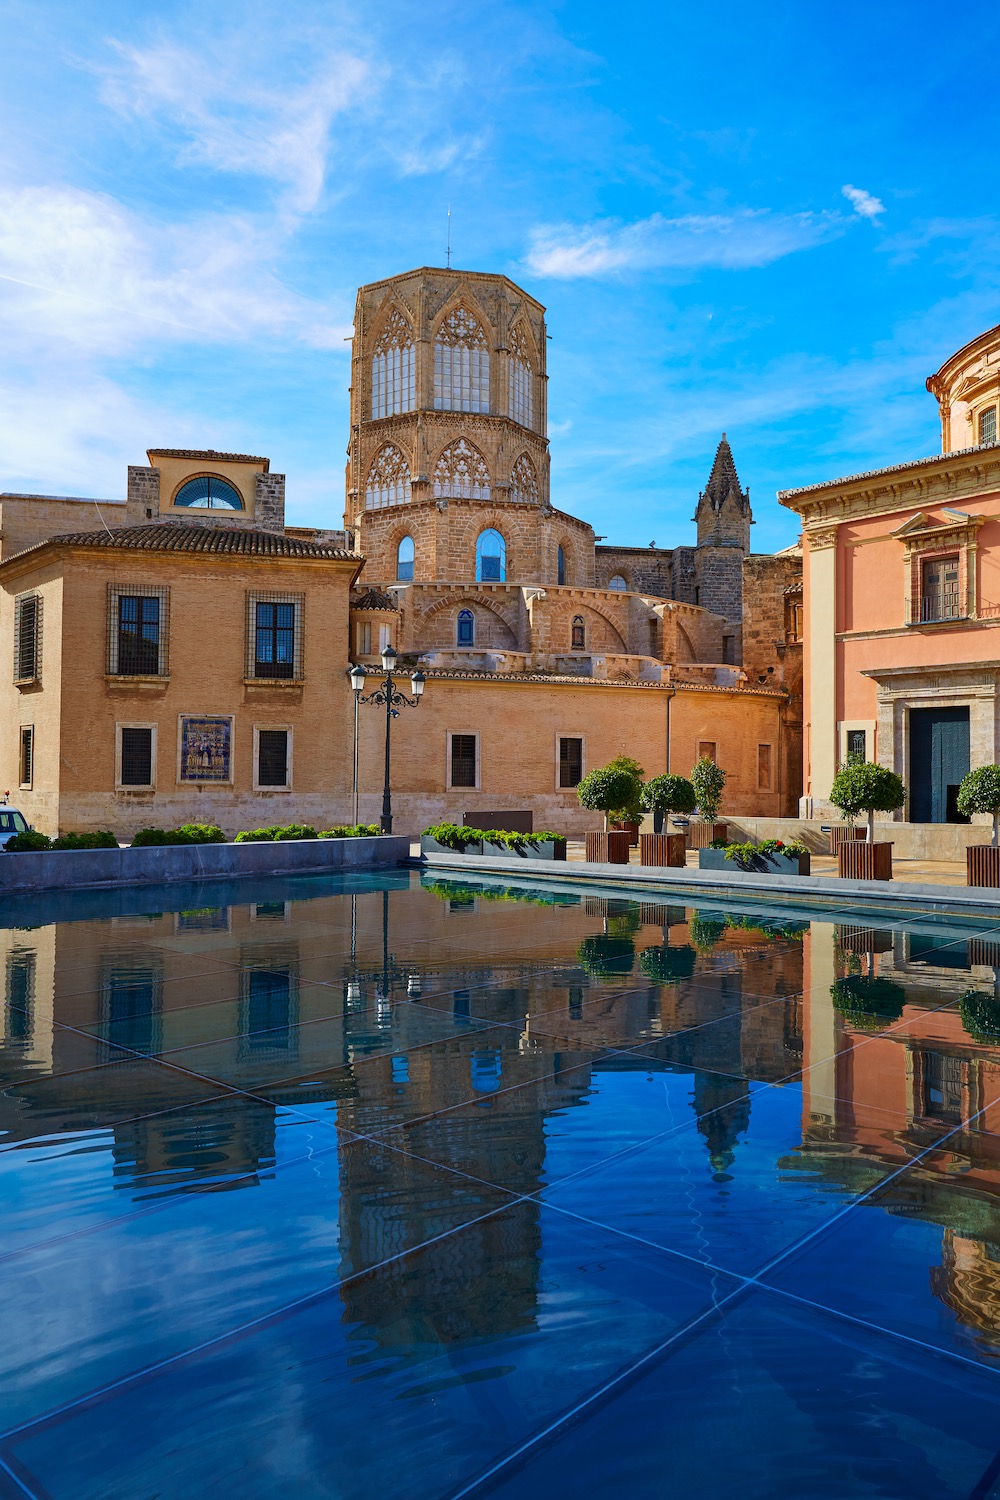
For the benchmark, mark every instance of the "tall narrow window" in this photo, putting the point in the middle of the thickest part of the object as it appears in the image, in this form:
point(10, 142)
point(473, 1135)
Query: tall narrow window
point(857, 744)
point(138, 635)
point(20, 1007)
point(364, 638)
point(524, 481)
point(404, 560)
point(463, 760)
point(273, 760)
point(267, 1002)
point(491, 558)
point(560, 565)
point(26, 757)
point(461, 473)
point(618, 584)
point(987, 426)
point(135, 755)
point(466, 634)
point(763, 768)
point(570, 761)
point(939, 592)
point(579, 636)
point(520, 378)
point(388, 479)
point(461, 364)
point(393, 367)
point(27, 638)
point(274, 636)
point(131, 1002)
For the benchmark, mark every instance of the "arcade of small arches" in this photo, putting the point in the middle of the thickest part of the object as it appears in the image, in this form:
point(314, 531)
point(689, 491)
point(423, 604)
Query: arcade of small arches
point(461, 366)
point(460, 472)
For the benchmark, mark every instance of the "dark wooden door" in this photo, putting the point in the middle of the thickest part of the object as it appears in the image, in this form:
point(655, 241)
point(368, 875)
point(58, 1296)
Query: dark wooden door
point(939, 758)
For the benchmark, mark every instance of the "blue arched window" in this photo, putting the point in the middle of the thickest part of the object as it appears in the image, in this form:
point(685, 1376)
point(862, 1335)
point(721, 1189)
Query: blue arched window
point(491, 558)
point(404, 560)
point(208, 493)
point(466, 634)
point(560, 566)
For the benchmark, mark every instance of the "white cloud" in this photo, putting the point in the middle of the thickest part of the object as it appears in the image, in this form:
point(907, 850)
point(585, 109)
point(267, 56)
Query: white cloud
point(865, 204)
point(231, 121)
point(737, 241)
point(77, 269)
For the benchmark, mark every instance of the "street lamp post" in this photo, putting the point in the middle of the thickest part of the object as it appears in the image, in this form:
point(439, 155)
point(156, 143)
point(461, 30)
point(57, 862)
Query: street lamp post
point(388, 693)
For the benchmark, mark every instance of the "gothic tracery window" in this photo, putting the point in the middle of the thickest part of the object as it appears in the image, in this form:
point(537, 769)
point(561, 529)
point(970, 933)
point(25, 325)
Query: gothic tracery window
point(388, 479)
point(579, 634)
point(393, 367)
point(520, 378)
point(461, 472)
point(524, 481)
point(461, 364)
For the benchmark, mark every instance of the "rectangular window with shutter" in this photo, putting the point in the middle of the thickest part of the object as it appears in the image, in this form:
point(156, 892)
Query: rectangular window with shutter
point(273, 759)
point(136, 755)
point(137, 630)
point(27, 638)
point(987, 426)
point(274, 636)
point(26, 755)
point(463, 760)
point(570, 761)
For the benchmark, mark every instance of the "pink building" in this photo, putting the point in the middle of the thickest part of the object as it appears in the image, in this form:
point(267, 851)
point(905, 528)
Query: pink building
point(901, 577)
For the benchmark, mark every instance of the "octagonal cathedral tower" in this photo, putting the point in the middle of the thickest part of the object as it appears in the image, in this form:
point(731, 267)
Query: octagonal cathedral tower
point(448, 464)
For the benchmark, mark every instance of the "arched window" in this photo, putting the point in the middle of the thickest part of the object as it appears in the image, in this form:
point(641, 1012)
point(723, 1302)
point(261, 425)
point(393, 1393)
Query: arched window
point(208, 493)
point(520, 378)
point(461, 473)
point(524, 481)
point(619, 584)
point(486, 1068)
point(393, 367)
point(560, 565)
point(461, 364)
point(579, 634)
point(404, 560)
point(466, 633)
point(491, 558)
point(388, 479)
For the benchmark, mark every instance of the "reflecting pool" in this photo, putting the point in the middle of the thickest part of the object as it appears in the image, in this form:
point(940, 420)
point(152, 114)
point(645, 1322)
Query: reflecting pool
point(333, 1189)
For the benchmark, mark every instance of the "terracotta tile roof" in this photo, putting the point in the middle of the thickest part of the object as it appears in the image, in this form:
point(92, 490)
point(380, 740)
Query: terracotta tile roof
point(915, 463)
point(207, 453)
point(375, 599)
point(172, 537)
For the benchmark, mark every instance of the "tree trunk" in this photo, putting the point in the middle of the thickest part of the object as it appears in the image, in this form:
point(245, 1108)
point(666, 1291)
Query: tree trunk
point(996, 821)
point(871, 825)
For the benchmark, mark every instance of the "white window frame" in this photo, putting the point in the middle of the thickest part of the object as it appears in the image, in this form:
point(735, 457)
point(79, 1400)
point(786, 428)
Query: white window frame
point(844, 729)
point(569, 734)
point(447, 767)
point(121, 786)
point(25, 786)
point(289, 731)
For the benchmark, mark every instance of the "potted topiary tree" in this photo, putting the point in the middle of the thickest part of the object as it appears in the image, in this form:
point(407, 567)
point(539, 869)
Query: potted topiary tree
point(614, 790)
point(629, 817)
point(980, 793)
point(863, 786)
point(663, 795)
point(708, 780)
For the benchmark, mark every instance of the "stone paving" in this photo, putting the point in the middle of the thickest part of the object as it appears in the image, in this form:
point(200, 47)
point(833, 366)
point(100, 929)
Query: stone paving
point(920, 871)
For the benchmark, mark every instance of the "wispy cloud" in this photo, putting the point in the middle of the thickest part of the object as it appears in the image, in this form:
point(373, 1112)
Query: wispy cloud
point(865, 204)
point(77, 269)
point(737, 241)
point(233, 123)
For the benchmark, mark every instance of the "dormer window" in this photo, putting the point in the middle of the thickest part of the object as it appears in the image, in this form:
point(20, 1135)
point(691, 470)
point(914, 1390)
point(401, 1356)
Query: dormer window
point(208, 493)
point(987, 426)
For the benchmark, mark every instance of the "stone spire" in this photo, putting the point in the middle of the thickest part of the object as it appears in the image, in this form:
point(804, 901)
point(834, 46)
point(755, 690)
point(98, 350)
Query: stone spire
point(723, 509)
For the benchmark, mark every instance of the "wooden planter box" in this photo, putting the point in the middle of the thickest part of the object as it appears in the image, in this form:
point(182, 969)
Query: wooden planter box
point(982, 865)
point(431, 846)
point(548, 850)
point(632, 829)
point(840, 833)
point(608, 848)
point(763, 864)
point(663, 850)
point(700, 835)
point(859, 860)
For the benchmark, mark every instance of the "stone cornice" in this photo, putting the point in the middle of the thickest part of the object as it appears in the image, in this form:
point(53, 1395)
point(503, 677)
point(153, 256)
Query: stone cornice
point(924, 483)
point(406, 421)
point(569, 680)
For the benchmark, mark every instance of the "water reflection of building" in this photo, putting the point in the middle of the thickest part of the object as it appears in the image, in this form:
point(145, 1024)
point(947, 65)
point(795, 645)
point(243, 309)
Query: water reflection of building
point(875, 1099)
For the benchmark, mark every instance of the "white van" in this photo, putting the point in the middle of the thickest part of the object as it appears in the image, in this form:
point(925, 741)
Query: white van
point(11, 822)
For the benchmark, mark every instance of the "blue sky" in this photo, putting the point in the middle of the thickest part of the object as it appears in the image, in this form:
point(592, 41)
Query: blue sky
point(773, 219)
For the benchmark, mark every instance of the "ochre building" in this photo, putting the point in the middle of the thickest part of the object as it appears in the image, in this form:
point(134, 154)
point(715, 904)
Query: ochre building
point(183, 654)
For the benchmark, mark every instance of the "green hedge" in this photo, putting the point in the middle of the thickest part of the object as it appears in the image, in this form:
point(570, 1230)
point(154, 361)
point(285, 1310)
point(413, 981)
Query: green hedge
point(188, 833)
point(32, 842)
point(351, 831)
point(455, 836)
point(277, 833)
